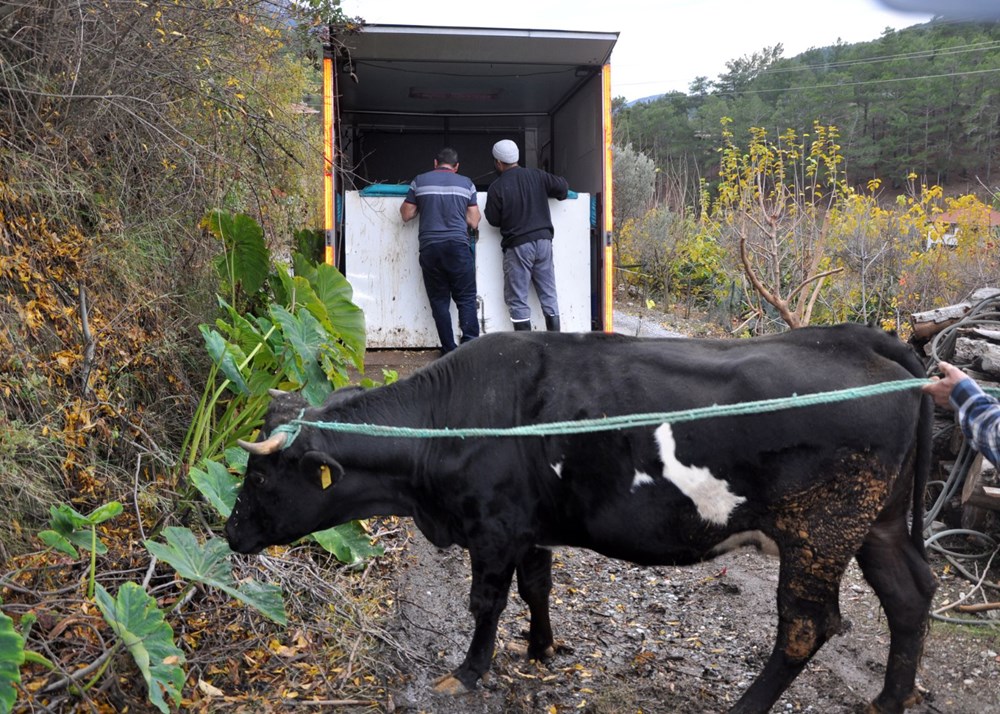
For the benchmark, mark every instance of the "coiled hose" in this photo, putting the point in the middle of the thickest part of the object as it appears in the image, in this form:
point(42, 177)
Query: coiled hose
point(942, 347)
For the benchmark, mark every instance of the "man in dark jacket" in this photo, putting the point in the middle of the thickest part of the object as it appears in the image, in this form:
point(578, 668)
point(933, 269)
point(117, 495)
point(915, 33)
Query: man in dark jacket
point(518, 204)
point(446, 202)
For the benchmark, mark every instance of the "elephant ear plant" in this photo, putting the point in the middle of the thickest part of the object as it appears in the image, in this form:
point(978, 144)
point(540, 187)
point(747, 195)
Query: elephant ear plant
point(293, 328)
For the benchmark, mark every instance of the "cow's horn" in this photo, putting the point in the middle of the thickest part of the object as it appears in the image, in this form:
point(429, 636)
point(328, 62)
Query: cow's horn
point(277, 392)
point(268, 446)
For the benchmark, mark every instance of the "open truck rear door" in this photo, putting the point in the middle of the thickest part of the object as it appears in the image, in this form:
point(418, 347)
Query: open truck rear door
point(395, 95)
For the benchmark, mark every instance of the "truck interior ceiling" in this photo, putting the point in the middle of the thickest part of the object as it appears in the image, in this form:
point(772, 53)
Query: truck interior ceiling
point(404, 92)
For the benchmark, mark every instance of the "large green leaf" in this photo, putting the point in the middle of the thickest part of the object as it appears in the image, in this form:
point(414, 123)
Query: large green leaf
point(58, 541)
point(335, 292)
point(11, 659)
point(283, 286)
point(246, 253)
point(306, 338)
point(208, 563)
point(237, 458)
point(291, 360)
point(348, 543)
point(139, 623)
point(247, 335)
point(318, 383)
point(67, 526)
point(311, 243)
point(66, 518)
point(103, 513)
point(217, 485)
point(225, 355)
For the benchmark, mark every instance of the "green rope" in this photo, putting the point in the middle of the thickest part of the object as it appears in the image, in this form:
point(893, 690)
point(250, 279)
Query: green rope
point(292, 428)
point(625, 421)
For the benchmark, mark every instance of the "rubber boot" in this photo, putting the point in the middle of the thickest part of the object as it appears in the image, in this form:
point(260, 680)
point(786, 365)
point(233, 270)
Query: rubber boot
point(522, 325)
point(552, 323)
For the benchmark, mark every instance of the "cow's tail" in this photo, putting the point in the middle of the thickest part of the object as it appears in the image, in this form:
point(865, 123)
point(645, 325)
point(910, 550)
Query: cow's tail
point(910, 360)
point(921, 472)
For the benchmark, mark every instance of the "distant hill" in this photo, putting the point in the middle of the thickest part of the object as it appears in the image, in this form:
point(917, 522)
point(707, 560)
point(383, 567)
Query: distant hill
point(920, 101)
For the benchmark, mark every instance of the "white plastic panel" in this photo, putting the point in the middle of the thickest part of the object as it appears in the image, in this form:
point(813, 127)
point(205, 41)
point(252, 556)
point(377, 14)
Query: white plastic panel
point(382, 262)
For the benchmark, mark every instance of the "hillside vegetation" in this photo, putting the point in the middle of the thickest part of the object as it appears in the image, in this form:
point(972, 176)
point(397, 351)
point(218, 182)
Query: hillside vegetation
point(921, 101)
point(156, 159)
point(811, 188)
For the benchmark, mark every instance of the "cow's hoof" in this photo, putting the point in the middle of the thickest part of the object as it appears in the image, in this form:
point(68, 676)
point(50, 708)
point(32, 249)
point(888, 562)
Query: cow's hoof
point(524, 652)
point(544, 656)
point(916, 697)
point(517, 649)
point(451, 685)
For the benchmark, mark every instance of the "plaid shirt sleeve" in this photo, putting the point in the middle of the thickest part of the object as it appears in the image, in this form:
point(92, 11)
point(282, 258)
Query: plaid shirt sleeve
point(979, 415)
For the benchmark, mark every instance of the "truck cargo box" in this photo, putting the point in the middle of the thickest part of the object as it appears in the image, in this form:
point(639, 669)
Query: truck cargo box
point(398, 94)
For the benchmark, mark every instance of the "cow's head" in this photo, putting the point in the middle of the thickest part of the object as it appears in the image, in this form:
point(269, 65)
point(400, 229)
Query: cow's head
point(287, 491)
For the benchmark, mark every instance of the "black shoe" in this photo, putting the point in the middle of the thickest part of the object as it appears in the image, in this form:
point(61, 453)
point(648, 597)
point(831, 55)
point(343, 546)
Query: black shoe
point(522, 326)
point(552, 323)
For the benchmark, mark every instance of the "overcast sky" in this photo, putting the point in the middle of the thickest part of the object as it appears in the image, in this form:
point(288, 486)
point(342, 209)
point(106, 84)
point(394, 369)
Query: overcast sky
point(662, 46)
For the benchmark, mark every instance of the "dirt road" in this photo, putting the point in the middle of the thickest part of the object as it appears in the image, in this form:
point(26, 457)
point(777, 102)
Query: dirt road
point(660, 640)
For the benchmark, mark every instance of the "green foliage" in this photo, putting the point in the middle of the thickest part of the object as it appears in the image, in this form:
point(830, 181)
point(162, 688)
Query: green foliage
point(11, 659)
point(217, 485)
point(742, 72)
point(310, 243)
point(919, 100)
point(348, 543)
point(209, 563)
point(634, 176)
point(13, 655)
point(139, 624)
point(668, 255)
point(68, 527)
point(243, 263)
point(304, 334)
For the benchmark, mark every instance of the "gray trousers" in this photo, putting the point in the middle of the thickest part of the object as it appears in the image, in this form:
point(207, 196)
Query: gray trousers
point(524, 265)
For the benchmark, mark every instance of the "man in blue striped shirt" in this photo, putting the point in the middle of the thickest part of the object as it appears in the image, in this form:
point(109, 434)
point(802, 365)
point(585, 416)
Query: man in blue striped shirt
point(978, 412)
point(446, 202)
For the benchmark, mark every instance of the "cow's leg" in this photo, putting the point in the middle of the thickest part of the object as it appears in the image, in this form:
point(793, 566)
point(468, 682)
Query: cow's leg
point(492, 575)
point(901, 578)
point(808, 615)
point(817, 532)
point(534, 583)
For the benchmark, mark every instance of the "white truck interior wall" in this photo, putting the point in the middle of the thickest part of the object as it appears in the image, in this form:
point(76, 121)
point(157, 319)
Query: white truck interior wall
point(382, 265)
point(579, 140)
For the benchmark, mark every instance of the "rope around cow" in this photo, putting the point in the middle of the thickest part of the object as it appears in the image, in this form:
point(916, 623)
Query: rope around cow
point(625, 421)
point(294, 427)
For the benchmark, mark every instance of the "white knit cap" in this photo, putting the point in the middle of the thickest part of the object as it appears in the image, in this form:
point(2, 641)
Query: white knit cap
point(505, 150)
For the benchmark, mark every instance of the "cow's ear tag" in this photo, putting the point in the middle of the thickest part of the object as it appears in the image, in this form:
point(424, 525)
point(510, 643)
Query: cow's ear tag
point(325, 479)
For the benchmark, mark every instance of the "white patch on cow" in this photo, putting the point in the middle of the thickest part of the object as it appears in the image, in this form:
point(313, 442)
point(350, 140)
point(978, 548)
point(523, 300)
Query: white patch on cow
point(711, 495)
point(557, 468)
point(641, 479)
point(754, 538)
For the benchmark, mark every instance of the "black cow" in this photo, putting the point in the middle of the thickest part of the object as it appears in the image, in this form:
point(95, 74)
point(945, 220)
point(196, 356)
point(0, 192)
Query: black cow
point(821, 484)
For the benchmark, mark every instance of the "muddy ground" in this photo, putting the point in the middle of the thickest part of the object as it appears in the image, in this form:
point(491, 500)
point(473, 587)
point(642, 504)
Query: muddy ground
point(659, 640)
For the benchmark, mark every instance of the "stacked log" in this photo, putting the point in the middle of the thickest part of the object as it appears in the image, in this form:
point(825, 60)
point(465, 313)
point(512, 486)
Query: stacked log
point(966, 334)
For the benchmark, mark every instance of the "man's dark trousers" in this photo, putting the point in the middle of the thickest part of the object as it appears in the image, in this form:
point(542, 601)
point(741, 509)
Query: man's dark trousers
point(449, 270)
